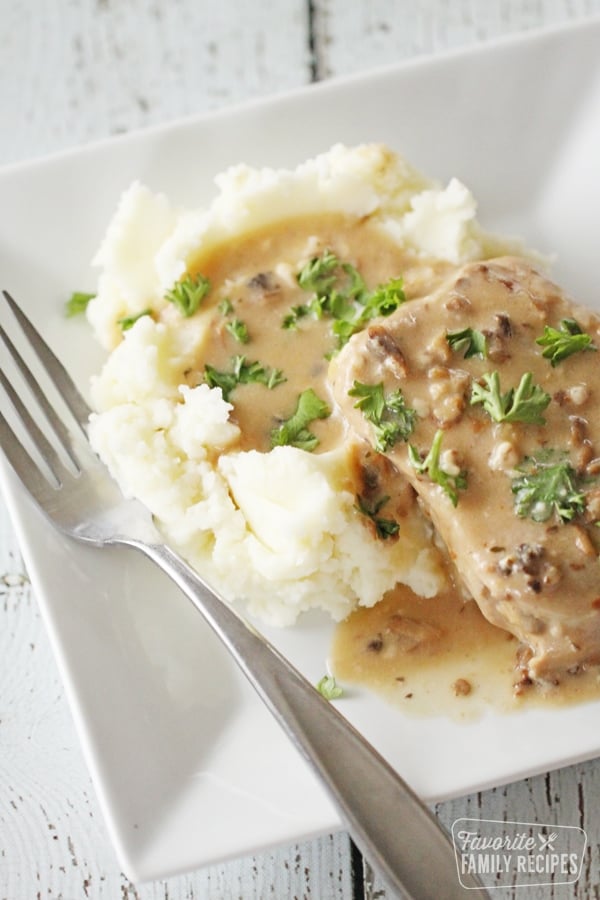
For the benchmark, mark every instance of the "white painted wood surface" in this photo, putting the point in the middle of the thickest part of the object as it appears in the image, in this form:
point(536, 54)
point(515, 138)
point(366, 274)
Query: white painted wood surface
point(72, 71)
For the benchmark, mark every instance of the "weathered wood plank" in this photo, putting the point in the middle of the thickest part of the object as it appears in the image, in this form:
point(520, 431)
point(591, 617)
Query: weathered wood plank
point(353, 37)
point(72, 72)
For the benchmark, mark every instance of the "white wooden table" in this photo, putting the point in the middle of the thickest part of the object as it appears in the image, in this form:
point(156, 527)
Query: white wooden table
point(72, 71)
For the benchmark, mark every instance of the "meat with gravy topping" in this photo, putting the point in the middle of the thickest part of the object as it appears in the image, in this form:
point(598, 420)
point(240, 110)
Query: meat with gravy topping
point(539, 580)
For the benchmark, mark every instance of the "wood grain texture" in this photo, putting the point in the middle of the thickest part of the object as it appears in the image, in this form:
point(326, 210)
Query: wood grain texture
point(381, 32)
point(72, 71)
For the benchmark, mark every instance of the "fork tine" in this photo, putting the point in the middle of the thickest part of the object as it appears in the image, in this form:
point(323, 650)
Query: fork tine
point(50, 414)
point(39, 439)
point(27, 470)
point(55, 369)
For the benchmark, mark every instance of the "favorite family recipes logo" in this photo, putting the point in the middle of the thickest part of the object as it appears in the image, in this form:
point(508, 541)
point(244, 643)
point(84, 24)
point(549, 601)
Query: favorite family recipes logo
point(517, 853)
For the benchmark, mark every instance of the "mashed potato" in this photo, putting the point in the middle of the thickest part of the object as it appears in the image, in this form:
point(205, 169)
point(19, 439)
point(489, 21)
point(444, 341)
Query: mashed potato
point(279, 528)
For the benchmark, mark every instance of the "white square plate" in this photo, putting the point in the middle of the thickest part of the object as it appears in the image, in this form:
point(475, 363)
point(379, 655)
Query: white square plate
point(188, 766)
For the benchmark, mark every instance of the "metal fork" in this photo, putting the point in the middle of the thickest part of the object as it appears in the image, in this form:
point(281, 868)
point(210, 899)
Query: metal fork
point(396, 831)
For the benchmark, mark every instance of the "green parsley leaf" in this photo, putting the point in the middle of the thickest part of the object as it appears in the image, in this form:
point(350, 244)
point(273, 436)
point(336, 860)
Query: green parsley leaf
point(127, 322)
point(386, 298)
point(329, 688)
point(188, 294)
point(227, 381)
point(525, 404)
point(450, 484)
point(547, 485)
point(396, 405)
point(381, 302)
point(77, 303)
point(238, 330)
point(294, 431)
point(296, 312)
point(391, 418)
point(469, 342)
point(343, 330)
point(353, 285)
point(235, 326)
point(341, 294)
point(319, 275)
point(371, 400)
point(563, 342)
point(242, 372)
point(274, 377)
point(384, 528)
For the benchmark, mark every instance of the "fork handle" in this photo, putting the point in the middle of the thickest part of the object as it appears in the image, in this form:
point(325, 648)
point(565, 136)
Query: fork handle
point(394, 828)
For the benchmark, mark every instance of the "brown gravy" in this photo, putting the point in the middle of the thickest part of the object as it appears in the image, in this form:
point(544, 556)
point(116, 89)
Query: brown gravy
point(257, 275)
point(466, 664)
point(440, 656)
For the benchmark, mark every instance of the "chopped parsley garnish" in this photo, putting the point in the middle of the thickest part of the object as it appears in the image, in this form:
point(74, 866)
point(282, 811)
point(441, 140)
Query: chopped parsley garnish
point(384, 528)
point(559, 343)
point(77, 303)
point(547, 485)
point(225, 306)
point(371, 399)
point(188, 294)
point(340, 293)
point(294, 431)
point(296, 312)
point(319, 275)
point(386, 298)
point(238, 330)
point(329, 688)
point(391, 418)
point(235, 326)
point(127, 322)
point(242, 372)
point(469, 342)
point(450, 484)
point(523, 404)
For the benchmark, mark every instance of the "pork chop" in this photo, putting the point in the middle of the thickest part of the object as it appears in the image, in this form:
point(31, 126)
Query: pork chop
point(485, 395)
